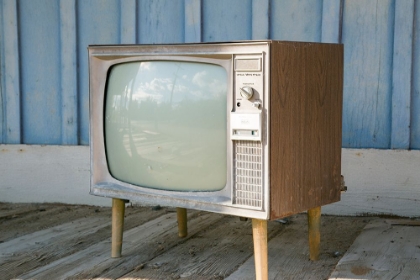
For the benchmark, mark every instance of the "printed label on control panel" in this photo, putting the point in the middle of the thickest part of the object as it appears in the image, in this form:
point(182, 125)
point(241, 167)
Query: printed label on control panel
point(245, 126)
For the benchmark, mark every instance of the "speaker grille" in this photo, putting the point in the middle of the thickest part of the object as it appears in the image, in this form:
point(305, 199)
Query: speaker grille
point(248, 189)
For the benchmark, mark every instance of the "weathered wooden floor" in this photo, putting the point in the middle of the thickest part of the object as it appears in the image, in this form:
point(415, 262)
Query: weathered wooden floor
point(47, 241)
point(386, 249)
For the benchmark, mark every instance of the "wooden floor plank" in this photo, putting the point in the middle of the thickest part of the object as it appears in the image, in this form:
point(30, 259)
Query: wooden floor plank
point(384, 250)
point(7, 212)
point(288, 252)
point(145, 249)
point(21, 219)
point(43, 238)
point(89, 257)
point(73, 242)
point(212, 254)
point(38, 249)
point(94, 261)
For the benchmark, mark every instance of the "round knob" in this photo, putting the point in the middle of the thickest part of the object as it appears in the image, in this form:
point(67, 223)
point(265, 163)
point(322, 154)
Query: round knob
point(257, 104)
point(247, 92)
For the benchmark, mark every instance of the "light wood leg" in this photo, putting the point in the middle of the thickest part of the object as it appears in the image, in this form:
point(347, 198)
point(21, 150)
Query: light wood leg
point(118, 209)
point(314, 225)
point(259, 233)
point(181, 214)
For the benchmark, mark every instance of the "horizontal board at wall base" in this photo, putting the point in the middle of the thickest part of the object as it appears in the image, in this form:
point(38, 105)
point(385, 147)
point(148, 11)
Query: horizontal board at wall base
point(33, 173)
point(379, 181)
point(382, 182)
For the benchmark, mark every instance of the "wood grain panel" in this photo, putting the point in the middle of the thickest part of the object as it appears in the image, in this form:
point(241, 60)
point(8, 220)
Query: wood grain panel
point(305, 126)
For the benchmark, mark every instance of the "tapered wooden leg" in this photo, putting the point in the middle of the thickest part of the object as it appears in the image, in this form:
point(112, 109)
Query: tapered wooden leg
point(259, 233)
point(181, 214)
point(118, 209)
point(314, 225)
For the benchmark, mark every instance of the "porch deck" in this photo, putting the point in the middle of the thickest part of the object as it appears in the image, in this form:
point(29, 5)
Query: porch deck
point(54, 241)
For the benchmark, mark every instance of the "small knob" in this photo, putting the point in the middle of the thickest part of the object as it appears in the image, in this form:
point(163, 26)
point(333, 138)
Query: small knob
point(257, 104)
point(247, 92)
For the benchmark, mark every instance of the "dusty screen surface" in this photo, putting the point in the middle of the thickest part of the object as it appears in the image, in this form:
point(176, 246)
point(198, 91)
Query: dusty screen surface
point(165, 125)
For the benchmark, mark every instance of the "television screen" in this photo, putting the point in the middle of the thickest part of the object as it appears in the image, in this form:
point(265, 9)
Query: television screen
point(165, 124)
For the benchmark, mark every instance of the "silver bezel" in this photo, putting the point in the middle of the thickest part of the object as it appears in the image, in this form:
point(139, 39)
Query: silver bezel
point(102, 58)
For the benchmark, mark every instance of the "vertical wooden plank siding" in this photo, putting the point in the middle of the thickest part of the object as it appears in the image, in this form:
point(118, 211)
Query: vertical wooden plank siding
point(331, 21)
point(401, 74)
point(98, 22)
point(1, 75)
point(161, 22)
point(226, 20)
point(11, 77)
point(192, 21)
point(368, 38)
point(44, 69)
point(128, 32)
point(293, 20)
point(2, 111)
point(260, 19)
point(40, 71)
point(68, 78)
point(415, 100)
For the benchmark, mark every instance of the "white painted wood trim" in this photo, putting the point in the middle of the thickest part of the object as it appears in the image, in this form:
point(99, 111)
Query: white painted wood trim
point(379, 181)
point(33, 173)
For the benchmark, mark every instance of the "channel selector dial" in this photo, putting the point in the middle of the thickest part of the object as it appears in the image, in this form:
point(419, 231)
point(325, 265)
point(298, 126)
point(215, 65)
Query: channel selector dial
point(246, 92)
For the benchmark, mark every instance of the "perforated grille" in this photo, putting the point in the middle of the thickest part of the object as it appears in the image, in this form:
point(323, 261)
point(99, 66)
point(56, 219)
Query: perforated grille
point(248, 173)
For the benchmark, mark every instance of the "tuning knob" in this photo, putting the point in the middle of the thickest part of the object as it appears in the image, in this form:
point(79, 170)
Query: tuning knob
point(246, 92)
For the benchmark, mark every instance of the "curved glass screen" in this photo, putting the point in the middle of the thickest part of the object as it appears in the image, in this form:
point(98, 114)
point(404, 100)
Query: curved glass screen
point(165, 125)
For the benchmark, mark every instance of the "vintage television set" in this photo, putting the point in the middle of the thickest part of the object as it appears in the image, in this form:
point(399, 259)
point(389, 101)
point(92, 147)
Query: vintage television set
point(250, 128)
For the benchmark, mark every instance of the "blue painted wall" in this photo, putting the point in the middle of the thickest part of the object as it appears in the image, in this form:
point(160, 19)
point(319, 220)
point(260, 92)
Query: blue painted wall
point(44, 68)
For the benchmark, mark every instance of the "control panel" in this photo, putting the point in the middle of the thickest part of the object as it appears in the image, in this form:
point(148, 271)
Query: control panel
point(245, 117)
